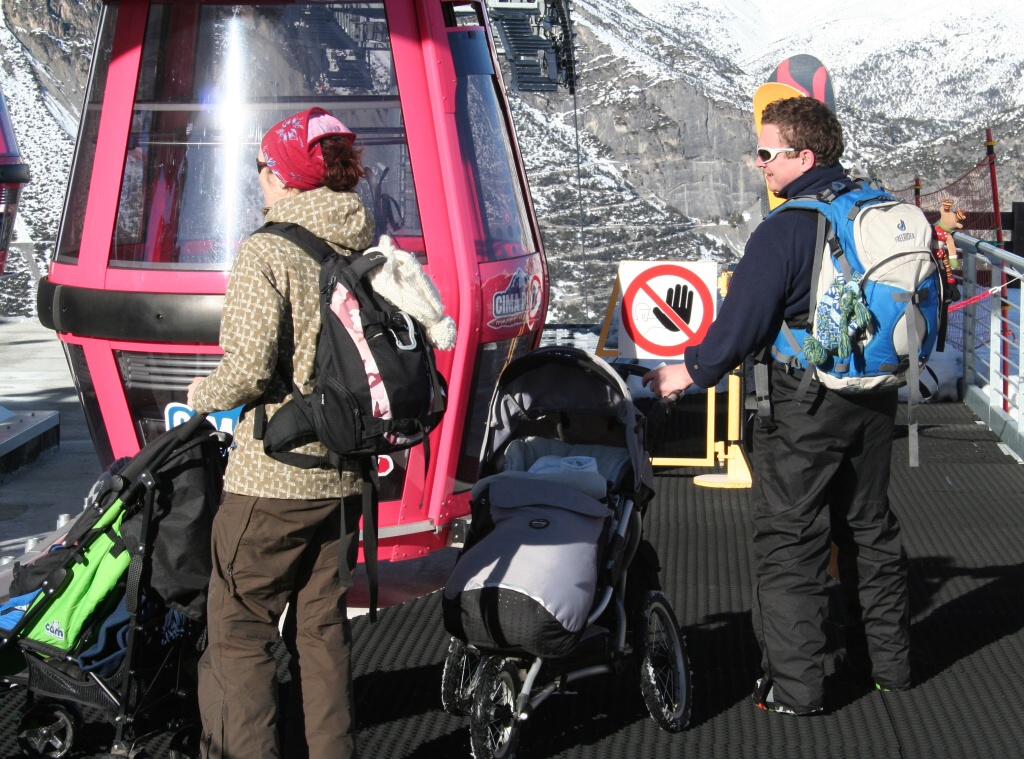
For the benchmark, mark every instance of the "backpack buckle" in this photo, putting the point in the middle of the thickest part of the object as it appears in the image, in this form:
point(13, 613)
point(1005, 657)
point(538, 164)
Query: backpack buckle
point(402, 319)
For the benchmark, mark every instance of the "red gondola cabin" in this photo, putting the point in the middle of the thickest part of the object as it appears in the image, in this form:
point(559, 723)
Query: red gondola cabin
point(163, 191)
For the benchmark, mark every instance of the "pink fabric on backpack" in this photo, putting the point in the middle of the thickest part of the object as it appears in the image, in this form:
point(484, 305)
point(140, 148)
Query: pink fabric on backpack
point(346, 308)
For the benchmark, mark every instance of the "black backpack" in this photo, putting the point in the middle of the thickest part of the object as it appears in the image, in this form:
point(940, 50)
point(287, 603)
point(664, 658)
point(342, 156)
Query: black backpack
point(347, 411)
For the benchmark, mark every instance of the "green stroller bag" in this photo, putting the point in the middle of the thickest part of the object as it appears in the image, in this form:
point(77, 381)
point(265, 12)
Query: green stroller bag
point(85, 584)
point(146, 526)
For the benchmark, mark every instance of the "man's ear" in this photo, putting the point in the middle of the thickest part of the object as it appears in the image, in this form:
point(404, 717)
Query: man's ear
point(807, 160)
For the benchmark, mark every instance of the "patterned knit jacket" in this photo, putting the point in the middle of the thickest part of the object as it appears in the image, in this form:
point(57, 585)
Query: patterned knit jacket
point(272, 312)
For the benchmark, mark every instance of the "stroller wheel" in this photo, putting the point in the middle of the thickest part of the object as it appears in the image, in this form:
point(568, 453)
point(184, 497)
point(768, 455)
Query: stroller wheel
point(664, 666)
point(494, 725)
point(47, 729)
point(457, 678)
point(185, 743)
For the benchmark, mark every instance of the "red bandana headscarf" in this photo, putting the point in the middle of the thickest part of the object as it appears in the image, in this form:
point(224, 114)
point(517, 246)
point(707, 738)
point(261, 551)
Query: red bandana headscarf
point(292, 147)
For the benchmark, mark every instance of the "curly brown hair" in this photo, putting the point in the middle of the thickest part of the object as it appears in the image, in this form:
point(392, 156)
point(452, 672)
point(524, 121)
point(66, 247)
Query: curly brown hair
point(343, 165)
point(807, 124)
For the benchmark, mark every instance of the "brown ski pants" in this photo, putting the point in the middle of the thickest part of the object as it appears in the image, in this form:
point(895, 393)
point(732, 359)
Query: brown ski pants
point(268, 553)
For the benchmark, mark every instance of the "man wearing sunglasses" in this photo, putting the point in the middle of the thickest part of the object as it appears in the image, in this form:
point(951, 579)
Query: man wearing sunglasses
point(821, 464)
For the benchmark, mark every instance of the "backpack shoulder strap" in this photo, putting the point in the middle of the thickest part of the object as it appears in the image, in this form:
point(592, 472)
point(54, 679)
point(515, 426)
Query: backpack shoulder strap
point(824, 234)
point(318, 248)
point(321, 252)
point(350, 270)
point(357, 267)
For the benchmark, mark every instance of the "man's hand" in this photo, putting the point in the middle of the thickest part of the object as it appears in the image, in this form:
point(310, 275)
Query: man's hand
point(668, 381)
point(680, 300)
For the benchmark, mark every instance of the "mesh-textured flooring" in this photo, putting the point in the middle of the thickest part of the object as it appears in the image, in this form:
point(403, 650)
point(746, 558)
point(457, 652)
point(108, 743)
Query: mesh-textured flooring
point(962, 512)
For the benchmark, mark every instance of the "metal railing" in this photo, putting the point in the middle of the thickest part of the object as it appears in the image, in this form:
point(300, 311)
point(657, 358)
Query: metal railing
point(989, 316)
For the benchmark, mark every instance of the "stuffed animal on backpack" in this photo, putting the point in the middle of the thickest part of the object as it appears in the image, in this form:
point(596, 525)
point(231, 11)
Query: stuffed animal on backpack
point(403, 282)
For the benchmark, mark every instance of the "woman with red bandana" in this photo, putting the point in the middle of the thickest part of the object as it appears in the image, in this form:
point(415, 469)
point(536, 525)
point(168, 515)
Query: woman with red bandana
point(276, 535)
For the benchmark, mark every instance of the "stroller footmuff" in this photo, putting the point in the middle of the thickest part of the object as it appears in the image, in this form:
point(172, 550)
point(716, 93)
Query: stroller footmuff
point(528, 584)
point(556, 582)
point(112, 615)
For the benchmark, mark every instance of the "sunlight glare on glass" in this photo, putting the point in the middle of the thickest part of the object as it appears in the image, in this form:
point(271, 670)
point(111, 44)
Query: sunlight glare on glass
point(230, 127)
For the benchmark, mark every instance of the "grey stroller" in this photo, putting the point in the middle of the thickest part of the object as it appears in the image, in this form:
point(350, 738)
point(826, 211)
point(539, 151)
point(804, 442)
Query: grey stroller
point(555, 582)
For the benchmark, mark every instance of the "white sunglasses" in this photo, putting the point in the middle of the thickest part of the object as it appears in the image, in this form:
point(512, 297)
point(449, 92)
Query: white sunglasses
point(767, 155)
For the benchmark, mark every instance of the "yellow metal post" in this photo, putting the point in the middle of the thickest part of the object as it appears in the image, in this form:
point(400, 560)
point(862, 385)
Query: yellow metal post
point(709, 445)
point(737, 471)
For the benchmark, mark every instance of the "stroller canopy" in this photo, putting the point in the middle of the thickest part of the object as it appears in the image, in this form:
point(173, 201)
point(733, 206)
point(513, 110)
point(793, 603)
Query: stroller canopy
point(567, 394)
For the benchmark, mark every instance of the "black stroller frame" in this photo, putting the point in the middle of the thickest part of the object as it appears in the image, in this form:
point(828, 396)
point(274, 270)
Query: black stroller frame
point(630, 619)
point(152, 675)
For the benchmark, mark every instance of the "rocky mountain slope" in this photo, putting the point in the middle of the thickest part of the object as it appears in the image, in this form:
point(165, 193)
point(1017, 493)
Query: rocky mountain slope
point(666, 91)
point(57, 36)
point(653, 157)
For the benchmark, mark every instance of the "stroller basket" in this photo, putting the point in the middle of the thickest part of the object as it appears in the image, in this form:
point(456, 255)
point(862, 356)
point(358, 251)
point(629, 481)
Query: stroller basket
point(44, 679)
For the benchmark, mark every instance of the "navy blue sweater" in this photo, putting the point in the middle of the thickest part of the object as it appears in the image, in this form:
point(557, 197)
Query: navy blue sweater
point(772, 282)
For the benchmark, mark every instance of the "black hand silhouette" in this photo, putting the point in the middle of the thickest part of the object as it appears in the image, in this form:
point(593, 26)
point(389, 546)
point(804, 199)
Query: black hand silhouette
point(680, 300)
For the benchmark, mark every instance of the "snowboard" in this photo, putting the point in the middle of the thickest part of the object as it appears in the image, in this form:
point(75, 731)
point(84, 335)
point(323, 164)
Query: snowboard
point(809, 75)
point(798, 76)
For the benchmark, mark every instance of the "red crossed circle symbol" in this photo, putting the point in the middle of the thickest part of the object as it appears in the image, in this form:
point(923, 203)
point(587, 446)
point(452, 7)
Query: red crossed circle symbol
point(642, 284)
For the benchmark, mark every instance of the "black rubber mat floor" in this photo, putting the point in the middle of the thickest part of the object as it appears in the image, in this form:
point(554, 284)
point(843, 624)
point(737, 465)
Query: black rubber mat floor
point(962, 512)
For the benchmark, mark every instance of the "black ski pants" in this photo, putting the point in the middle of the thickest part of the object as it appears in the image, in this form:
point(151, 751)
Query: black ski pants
point(822, 475)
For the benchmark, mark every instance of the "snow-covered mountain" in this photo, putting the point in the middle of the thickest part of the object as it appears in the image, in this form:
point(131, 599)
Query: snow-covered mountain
point(653, 158)
point(902, 59)
point(46, 146)
point(907, 76)
point(666, 90)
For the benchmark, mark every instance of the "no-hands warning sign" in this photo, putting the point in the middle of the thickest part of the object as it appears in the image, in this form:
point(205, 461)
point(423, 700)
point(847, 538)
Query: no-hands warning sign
point(665, 306)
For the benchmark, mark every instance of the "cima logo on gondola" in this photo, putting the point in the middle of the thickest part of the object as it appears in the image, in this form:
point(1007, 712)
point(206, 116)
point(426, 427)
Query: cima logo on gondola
point(518, 303)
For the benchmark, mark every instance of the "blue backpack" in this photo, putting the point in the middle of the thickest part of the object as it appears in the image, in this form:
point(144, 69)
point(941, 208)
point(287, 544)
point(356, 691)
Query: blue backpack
point(876, 294)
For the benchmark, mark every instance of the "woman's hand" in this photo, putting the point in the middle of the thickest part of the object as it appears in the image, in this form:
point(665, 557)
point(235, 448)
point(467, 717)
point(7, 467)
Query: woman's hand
point(192, 389)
